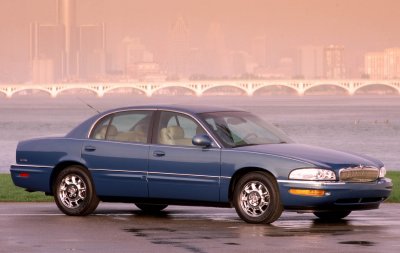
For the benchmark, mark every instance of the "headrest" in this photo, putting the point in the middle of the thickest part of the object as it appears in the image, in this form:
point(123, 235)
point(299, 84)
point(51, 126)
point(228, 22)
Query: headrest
point(175, 132)
point(112, 131)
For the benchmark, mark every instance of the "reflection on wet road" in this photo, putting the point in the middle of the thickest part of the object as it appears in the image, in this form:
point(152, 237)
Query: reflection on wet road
point(122, 228)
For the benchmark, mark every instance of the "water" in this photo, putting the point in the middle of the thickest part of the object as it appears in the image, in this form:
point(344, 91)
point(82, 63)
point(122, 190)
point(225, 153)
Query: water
point(363, 124)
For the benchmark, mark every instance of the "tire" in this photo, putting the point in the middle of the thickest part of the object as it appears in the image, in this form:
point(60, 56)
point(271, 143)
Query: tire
point(74, 191)
point(256, 198)
point(151, 208)
point(332, 215)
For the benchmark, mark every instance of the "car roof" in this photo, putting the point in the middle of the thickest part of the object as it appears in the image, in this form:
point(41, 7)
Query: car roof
point(191, 109)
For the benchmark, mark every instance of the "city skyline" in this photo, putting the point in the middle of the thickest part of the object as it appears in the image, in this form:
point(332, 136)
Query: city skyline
point(220, 39)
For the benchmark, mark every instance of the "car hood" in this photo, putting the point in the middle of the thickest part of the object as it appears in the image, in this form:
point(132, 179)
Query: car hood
point(318, 156)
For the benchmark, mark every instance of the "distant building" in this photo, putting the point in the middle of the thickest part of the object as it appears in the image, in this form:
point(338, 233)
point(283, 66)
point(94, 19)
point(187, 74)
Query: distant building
point(259, 51)
point(240, 64)
point(178, 49)
point(374, 65)
point(216, 54)
point(91, 52)
point(333, 65)
point(64, 50)
point(286, 67)
point(43, 70)
point(134, 52)
point(197, 63)
point(47, 57)
point(392, 63)
point(147, 71)
point(139, 62)
point(383, 65)
point(310, 60)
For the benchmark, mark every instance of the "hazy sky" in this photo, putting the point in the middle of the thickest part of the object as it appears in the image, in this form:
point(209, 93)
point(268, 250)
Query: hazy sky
point(359, 25)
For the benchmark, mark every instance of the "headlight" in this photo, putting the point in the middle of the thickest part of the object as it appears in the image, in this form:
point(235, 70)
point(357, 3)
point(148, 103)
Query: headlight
point(382, 172)
point(313, 174)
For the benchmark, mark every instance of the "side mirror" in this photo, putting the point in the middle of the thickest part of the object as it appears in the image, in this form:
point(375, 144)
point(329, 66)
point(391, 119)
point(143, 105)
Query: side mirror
point(202, 140)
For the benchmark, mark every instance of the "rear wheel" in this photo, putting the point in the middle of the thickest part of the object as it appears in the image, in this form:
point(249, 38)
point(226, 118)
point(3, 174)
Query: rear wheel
point(151, 208)
point(332, 215)
point(256, 198)
point(74, 192)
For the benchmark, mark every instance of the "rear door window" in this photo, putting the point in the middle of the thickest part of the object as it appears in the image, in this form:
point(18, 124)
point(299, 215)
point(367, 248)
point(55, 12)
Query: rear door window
point(132, 126)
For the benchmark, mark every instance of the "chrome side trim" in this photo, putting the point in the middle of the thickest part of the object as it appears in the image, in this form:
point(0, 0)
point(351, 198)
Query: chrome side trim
point(160, 173)
point(31, 166)
point(124, 171)
point(315, 183)
point(184, 175)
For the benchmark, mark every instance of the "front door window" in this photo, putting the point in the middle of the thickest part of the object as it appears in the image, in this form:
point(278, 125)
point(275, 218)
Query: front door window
point(177, 129)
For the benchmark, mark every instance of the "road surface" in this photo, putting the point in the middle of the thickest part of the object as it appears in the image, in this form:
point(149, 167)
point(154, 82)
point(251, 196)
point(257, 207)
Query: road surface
point(40, 227)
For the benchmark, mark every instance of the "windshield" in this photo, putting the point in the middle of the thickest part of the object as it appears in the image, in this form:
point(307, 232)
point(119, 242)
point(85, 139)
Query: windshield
point(236, 129)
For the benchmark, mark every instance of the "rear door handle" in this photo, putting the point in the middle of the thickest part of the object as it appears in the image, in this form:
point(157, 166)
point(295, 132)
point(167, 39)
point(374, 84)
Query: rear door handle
point(158, 153)
point(90, 148)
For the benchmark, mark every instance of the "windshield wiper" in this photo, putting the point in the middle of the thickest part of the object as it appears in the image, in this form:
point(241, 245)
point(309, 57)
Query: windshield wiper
point(244, 145)
point(253, 144)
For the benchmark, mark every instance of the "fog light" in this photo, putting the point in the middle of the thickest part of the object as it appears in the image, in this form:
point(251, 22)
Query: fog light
point(307, 192)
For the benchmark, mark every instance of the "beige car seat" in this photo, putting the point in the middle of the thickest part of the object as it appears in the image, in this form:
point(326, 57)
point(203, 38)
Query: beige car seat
point(101, 134)
point(174, 135)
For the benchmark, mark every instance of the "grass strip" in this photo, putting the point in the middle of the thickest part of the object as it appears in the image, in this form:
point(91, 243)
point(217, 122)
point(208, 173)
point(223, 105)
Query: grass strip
point(10, 193)
point(395, 196)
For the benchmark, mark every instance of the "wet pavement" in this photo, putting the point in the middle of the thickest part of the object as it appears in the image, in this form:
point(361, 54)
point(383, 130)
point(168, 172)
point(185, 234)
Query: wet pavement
point(40, 227)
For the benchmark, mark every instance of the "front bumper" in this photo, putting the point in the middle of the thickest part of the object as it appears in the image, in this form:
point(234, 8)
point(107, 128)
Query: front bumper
point(339, 195)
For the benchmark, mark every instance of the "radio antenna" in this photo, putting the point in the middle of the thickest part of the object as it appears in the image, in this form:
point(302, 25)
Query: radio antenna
point(88, 105)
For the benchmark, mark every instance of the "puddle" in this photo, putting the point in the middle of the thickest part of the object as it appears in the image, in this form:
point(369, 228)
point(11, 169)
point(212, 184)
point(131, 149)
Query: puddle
point(359, 243)
point(232, 243)
point(143, 232)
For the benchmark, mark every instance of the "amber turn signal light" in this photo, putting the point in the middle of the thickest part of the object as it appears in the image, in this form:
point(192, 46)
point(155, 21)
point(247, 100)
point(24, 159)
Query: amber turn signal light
point(307, 192)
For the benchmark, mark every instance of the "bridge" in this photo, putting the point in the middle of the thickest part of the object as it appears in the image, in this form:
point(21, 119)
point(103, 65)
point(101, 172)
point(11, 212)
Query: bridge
point(198, 88)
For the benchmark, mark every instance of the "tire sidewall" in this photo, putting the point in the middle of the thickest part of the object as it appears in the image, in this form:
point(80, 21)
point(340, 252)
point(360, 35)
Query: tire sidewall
point(91, 199)
point(274, 209)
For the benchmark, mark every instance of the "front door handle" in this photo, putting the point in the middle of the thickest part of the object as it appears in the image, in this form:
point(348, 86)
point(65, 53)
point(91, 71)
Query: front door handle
point(90, 148)
point(158, 153)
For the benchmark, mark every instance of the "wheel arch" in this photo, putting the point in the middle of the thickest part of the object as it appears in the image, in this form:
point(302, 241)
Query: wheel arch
point(240, 173)
point(59, 167)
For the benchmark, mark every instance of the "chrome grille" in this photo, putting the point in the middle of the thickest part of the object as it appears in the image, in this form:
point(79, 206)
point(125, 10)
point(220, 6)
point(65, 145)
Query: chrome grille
point(359, 174)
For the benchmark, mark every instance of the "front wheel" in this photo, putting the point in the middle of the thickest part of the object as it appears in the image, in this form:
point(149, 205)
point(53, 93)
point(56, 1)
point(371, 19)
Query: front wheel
point(151, 208)
point(332, 215)
point(256, 198)
point(74, 192)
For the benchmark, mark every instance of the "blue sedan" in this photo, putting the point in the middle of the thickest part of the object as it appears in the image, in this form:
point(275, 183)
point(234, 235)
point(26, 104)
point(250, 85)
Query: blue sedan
point(156, 156)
